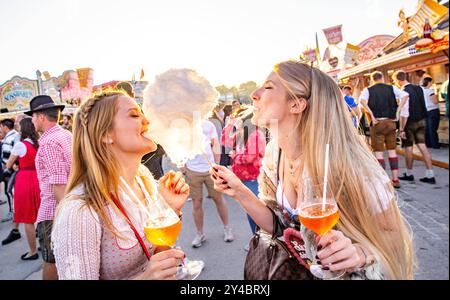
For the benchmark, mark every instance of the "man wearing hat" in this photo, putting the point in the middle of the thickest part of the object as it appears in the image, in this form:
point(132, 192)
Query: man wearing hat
point(53, 161)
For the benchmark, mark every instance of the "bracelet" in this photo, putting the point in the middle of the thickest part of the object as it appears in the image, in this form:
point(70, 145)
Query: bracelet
point(369, 259)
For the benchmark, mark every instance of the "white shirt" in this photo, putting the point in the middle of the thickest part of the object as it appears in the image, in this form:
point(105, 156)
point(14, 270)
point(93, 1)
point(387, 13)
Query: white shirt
point(399, 94)
point(11, 138)
point(427, 93)
point(199, 163)
point(20, 149)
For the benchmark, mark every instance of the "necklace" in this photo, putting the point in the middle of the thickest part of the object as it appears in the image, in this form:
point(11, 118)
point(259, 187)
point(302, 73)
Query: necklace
point(293, 166)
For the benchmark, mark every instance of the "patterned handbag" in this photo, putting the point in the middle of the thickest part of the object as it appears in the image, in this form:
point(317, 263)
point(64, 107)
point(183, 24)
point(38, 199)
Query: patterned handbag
point(269, 258)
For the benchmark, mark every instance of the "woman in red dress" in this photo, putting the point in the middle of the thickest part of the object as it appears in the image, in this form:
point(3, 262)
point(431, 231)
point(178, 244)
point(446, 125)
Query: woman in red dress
point(26, 186)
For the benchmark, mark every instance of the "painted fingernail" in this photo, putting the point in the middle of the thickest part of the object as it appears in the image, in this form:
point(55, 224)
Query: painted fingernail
point(325, 268)
point(319, 262)
point(317, 257)
point(319, 247)
point(224, 182)
point(214, 176)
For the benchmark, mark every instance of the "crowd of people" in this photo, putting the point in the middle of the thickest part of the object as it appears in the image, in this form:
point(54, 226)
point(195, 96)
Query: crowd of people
point(73, 181)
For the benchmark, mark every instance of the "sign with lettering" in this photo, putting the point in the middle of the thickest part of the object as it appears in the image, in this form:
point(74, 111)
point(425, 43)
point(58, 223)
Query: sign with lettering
point(16, 93)
point(372, 46)
point(333, 34)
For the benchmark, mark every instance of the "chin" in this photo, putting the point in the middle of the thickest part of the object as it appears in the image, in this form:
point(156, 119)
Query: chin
point(151, 146)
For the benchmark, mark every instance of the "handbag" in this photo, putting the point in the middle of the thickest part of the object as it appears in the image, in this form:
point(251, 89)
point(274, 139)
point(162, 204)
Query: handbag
point(268, 258)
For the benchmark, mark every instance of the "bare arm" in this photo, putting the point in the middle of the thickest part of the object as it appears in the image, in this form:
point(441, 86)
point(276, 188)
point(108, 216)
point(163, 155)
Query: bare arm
point(357, 112)
point(59, 191)
point(12, 159)
point(216, 149)
point(400, 106)
point(259, 212)
point(434, 99)
point(369, 111)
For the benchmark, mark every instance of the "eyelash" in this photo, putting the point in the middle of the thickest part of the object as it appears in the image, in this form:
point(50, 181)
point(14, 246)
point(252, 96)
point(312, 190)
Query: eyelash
point(268, 88)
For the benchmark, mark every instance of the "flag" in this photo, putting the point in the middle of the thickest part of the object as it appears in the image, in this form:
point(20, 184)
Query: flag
point(333, 34)
point(317, 50)
point(310, 55)
point(142, 74)
point(351, 54)
point(133, 81)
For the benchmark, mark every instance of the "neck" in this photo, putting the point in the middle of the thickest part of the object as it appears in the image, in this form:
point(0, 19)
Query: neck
point(288, 138)
point(129, 165)
point(47, 125)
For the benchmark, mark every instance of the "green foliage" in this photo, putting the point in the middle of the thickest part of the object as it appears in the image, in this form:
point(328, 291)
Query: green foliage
point(242, 93)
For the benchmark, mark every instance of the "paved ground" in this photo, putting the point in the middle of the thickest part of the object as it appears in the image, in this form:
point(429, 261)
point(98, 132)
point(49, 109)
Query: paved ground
point(425, 206)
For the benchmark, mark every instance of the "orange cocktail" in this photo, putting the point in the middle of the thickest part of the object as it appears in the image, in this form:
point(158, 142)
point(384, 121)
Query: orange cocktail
point(163, 232)
point(320, 221)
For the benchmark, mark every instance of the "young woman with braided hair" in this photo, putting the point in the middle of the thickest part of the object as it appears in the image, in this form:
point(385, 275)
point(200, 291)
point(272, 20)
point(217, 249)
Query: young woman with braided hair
point(92, 237)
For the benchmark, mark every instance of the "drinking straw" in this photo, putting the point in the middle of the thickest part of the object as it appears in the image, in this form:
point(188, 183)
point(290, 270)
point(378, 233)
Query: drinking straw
point(136, 197)
point(207, 159)
point(327, 151)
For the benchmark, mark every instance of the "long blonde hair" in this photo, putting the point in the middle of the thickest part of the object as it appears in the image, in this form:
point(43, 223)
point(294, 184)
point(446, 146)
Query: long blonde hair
point(94, 166)
point(352, 169)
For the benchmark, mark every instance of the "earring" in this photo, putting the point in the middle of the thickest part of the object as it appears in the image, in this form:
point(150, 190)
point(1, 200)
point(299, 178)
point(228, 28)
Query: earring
point(110, 141)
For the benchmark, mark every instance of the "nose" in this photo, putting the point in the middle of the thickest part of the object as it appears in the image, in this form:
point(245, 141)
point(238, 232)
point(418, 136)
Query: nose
point(255, 95)
point(145, 122)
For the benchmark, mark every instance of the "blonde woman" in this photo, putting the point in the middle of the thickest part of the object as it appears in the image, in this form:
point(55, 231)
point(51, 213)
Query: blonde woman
point(91, 236)
point(371, 240)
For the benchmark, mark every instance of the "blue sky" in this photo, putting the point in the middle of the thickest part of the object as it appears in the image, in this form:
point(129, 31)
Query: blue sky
point(228, 41)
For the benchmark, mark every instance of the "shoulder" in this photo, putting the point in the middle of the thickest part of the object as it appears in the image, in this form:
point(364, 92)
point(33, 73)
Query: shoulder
point(145, 172)
point(209, 125)
point(74, 209)
point(364, 94)
point(20, 144)
point(19, 149)
point(349, 99)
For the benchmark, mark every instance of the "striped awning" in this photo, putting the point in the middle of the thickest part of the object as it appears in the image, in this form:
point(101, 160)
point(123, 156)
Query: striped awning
point(383, 60)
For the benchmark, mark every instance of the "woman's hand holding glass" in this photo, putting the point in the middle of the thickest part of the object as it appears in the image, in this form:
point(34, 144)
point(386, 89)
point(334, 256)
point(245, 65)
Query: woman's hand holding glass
point(174, 190)
point(164, 265)
point(337, 252)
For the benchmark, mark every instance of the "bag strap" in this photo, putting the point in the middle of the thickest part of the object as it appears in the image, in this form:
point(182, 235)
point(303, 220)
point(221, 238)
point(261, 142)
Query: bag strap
point(138, 236)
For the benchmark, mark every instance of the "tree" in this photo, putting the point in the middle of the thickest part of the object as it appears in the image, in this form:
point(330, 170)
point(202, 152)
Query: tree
point(245, 90)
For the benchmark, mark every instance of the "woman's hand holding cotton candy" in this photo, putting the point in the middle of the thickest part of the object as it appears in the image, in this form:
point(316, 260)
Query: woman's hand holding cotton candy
point(174, 190)
point(226, 182)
